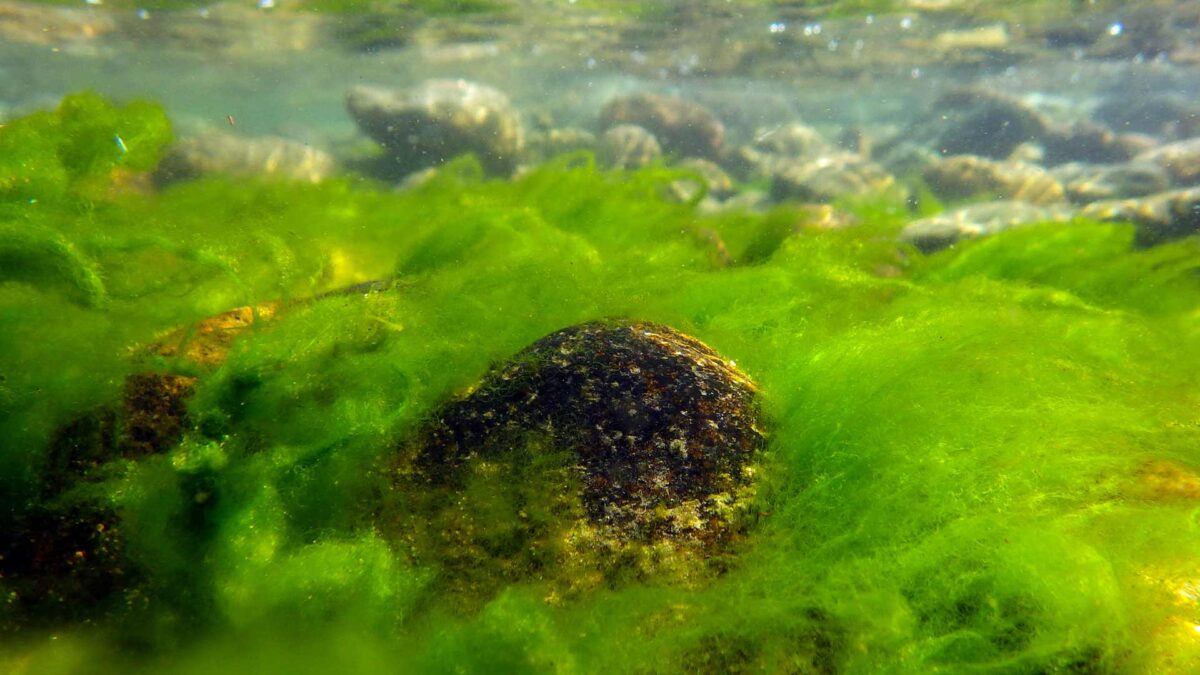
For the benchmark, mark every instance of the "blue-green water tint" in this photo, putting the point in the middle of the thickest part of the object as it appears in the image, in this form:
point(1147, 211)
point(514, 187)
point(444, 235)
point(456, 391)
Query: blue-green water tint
point(982, 460)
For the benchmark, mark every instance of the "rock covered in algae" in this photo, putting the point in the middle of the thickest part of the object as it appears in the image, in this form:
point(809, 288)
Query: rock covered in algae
point(662, 430)
point(65, 558)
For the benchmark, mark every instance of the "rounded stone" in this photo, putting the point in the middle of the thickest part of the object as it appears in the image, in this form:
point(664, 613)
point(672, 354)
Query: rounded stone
point(963, 176)
point(239, 156)
point(628, 146)
point(439, 120)
point(654, 420)
point(683, 127)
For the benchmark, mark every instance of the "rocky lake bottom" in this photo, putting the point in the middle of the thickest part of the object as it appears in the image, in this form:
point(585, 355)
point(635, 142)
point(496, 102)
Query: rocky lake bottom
point(586, 337)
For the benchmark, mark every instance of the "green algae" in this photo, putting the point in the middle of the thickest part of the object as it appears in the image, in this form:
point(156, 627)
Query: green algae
point(53, 155)
point(981, 460)
point(432, 7)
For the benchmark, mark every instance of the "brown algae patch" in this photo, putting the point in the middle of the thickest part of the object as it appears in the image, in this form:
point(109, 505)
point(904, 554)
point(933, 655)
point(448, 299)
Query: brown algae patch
point(606, 450)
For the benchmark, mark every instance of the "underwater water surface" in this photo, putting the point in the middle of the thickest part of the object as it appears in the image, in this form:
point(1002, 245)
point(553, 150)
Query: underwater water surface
point(277, 392)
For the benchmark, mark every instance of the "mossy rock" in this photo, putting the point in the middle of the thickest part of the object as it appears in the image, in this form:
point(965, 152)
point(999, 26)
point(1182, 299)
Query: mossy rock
point(603, 451)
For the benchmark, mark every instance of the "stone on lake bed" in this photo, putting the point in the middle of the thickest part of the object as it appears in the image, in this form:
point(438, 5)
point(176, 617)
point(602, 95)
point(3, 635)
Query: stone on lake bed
point(661, 431)
point(829, 178)
point(711, 178)
point(1087, 183)
point(962, 176)
point(628, 146)
point(794, 140)
point(979, 121)
point(683, 127)
point(1159, 217)
point(1087, 141)
point(438, 120)
point(978, 220)
point(553, 142)
point(229, 154)
point(1181, 159)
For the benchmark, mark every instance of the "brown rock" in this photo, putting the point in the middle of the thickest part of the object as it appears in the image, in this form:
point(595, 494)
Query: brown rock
point(794, 141)
point(977, 220)
point(683, 127)
point(1164, 480)
point(829, 178)
point(1087, 141)
point(712, 180)
point(653, 418)
point(1160, 217)
point(240, 156)
point(963, 176)
point(628, 146)
point(1085, 183)
point(1181, 159)
point(978, 121)
point(155, 412)
point(439, 120)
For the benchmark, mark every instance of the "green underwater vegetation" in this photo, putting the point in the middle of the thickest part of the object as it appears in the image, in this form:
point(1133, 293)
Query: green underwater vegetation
point(983, 460)
point(631, 8)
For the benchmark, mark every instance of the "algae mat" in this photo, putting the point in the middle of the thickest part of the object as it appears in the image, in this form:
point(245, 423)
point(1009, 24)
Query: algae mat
point(983, 460)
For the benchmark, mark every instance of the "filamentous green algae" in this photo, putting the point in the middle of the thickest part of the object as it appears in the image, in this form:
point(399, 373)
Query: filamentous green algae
point(984, 460)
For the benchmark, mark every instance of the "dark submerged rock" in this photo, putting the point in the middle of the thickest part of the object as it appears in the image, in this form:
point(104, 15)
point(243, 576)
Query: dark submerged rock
point(65, 557)
point(1087, 141)
point(977, 121)
point(66, 562)
point(988, 123)
point(654, 419)
point(1147, 112)
point(439, 120)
